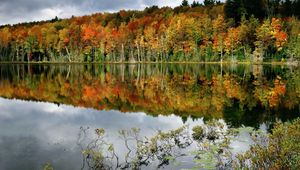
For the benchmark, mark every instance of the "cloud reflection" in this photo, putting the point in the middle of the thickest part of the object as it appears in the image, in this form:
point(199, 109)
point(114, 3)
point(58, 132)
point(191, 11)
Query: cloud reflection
point(42, 131)
point(47, 129)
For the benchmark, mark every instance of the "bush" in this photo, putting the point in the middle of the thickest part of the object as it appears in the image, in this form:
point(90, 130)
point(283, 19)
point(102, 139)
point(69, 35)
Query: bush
point(278, 150)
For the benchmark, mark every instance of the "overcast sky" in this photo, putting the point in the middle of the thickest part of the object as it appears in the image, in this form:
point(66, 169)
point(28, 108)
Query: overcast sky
point(15, 11)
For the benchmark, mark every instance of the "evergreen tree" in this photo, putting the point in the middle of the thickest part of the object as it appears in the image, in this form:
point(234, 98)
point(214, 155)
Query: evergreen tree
point(195, 4)
point(254, 7)
point(237, 8)
point(185, 3)
point(231, 10)
point(209, 2)
point(287, 8)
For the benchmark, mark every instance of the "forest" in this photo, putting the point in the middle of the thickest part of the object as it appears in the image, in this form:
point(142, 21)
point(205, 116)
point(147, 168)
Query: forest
point(236, 30)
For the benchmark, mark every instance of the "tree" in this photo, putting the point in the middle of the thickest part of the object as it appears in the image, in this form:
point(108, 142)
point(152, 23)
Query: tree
point(280, 36)
point(270, 36)
point(63, 42)
point(155, 34)
point(232, 9)
point(264, 39)
point(219, 27)
point(219, 45)
point(185, 3)
point(237, 8)
point(51, 40)
point(5, 39)
point(232, 41)
point(195, 4)
point(209, 2)
point(293, 50)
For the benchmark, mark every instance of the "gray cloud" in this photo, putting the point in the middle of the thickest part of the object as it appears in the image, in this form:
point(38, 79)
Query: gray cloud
point(15, 11)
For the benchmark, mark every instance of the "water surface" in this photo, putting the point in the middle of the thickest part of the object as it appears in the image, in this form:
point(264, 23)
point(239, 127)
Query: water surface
point(42, 107)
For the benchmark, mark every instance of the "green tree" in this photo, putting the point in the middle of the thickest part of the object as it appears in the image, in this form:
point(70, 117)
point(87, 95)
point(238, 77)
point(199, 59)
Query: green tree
point(185, 3)
point(209, 2)
point(195, 4)
point(237, 8)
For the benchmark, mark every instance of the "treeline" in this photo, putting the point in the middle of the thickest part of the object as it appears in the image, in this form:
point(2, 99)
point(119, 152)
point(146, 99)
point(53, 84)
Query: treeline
point(213, 31)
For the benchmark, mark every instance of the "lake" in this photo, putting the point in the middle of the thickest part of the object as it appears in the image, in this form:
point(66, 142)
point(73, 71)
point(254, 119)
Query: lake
point(48, 112)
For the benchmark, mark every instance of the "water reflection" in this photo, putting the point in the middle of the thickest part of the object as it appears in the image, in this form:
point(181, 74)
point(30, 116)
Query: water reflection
point(114, 97)
point(34, 133)
point(241, 94)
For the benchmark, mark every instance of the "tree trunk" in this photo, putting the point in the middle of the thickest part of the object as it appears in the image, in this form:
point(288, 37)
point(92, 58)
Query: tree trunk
point(69, 56)
point(122, 53)
point(28, 59)
point(22, 54)
point(231, 55)
point(221, 55)
point(132, 60)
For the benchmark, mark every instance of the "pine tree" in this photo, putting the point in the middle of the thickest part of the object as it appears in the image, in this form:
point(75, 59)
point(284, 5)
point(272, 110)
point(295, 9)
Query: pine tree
point(185, 3)
point(209, 2)
point(195, 4)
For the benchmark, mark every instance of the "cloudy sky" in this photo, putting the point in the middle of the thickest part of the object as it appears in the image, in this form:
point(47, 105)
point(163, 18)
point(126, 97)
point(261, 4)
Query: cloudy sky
point(15, 11)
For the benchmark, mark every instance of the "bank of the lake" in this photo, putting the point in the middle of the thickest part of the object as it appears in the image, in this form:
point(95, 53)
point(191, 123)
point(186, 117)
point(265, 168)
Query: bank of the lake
point(294, 63)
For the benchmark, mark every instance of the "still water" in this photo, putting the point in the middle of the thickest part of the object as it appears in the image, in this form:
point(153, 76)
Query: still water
point(44, 108)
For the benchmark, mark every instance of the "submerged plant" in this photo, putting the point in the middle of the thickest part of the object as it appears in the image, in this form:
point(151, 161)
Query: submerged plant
point(213, 140)
point(162, 148)
point(278, 149)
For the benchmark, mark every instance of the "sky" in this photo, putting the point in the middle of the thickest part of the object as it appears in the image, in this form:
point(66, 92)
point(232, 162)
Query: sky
point(16, 11)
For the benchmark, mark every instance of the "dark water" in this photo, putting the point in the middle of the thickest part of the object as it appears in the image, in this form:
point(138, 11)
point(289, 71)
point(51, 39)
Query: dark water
point(42, 107)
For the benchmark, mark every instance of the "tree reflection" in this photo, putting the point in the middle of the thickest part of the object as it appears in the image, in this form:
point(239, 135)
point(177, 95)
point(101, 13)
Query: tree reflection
point(162, 89)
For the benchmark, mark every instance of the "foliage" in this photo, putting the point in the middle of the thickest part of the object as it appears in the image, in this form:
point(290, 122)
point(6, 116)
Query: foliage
point(278, 150)
point(185, 3)
point(48, 166)
point(196, 33)
point(213, 145)
point(260, 8)
point(141, 151)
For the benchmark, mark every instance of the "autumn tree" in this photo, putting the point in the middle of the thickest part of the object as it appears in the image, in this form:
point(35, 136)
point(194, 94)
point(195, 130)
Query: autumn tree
point(280, 36)
point(270, 35)
point(200, 33)
point(63, 43)
point(5, 39)
point(232, 41)
point(219, 29)
point(51, 40)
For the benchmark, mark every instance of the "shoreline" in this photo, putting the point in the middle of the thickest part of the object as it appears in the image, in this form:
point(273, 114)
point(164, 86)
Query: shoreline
point(169, 62)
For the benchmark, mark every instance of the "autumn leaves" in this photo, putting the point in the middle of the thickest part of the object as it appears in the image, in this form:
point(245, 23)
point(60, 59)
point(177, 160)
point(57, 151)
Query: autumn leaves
point(157, 35)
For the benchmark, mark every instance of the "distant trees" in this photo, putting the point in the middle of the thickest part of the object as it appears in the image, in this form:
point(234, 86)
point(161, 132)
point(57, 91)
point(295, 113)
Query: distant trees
point(261, 8)
point(237, 8)
point(208, 2)
point(185, 3)
point(196, 33)
point(195, 4)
